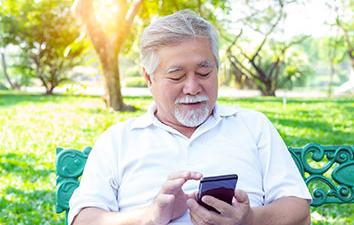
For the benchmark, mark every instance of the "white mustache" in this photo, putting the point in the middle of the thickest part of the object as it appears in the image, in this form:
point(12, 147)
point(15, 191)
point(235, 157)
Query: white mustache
point(191, 99)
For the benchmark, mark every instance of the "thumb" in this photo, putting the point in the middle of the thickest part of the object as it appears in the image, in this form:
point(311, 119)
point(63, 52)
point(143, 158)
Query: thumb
point(241, 196)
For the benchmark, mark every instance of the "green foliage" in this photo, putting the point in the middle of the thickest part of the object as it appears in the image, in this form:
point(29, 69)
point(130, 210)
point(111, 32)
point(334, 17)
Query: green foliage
point(32, 126)
point(135, 81)
point(155, 8)
point(48, 36)
point(206, 8)
point(20, 73)
point(10, 27)
point(321, 52)
point(344, 22)
point(2, 86)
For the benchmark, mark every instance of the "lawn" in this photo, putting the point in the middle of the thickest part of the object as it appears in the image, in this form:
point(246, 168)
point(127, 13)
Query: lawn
point(32, 126)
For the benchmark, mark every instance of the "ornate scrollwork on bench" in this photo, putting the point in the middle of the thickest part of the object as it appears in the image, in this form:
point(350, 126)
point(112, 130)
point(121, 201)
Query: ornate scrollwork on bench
point(69, 167)
point(328, 172)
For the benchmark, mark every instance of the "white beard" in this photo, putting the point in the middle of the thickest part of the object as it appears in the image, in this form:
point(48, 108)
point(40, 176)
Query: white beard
point(195, 117)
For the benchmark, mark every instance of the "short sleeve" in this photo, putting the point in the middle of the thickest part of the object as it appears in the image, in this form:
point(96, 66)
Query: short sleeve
point(281, 177)
point(98, 184)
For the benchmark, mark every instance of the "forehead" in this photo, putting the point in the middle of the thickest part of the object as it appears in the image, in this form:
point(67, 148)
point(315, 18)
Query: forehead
point(194, 52)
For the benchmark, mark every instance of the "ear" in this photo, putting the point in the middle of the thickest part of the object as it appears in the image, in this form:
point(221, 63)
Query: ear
point(147, 78)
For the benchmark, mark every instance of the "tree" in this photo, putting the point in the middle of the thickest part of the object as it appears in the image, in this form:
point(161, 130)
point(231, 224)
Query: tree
point(344, 21)
point(13, 85)
point(267, 68)
point(47, 35)
point(52, 41)
point(108, 44)
point(266, 62)
point(8, 33)
point(343, 24)
point(108, 36)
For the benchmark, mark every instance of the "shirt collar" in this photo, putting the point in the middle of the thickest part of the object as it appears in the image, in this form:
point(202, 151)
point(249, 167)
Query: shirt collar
point(224, 111)
point(146, 119)
point(149, 117)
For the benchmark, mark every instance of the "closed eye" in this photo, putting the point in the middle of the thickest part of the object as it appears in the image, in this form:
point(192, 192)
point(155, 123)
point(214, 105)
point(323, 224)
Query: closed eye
point(203, 74)
point(175, 78)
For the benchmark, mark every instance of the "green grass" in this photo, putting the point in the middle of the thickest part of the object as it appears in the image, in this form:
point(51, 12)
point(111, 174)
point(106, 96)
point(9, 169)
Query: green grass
point(32, 126)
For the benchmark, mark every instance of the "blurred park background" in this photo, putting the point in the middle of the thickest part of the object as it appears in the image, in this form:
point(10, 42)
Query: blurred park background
point(70, 69)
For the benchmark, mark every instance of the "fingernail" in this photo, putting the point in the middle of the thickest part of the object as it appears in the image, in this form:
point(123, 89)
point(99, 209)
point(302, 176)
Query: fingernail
point(197, 174)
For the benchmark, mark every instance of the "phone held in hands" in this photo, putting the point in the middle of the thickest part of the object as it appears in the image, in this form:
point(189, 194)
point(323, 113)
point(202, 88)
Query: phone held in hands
point(220, 187)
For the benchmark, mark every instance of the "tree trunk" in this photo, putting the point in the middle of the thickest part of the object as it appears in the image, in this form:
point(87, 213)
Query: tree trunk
point(351, 56)
point(113, 96)
point(52, 82)
point(108, 46)
point(330, 82)
point(4, 66)
point(268, 93)
point(267, 89)
point(49, 90)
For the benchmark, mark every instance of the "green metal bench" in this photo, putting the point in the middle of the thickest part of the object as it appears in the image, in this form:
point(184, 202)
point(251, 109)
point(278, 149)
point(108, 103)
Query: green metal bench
point(327, 170)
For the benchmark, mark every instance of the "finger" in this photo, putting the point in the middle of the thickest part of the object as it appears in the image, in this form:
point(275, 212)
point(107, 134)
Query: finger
point(193, 211)
point(194, 206)
point(187, 175)
point(196, 220)
point(241, 196)
point(221, 206)
point(172, 186)
point(202, 214)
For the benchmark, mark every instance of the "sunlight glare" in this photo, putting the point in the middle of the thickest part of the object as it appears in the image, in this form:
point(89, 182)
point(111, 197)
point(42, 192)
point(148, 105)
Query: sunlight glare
point(106, 13)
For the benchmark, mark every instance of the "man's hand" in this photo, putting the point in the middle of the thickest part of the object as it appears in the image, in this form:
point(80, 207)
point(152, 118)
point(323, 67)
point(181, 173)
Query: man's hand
point(170, 203)
point(237, 213)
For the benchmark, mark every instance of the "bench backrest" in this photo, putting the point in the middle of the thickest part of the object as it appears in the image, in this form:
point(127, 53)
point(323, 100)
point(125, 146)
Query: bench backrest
point(327, 170)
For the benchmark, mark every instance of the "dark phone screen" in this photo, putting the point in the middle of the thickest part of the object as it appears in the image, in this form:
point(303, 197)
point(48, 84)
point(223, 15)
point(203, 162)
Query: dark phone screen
point(220, 187)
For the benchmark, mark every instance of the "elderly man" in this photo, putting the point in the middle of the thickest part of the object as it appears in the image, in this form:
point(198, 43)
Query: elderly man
point(146, 170)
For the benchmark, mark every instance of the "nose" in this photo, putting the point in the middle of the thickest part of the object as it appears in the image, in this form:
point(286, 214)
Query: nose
point(192, 85)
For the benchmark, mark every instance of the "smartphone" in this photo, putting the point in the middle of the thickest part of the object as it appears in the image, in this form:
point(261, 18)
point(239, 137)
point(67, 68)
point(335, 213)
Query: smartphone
point(220, 187)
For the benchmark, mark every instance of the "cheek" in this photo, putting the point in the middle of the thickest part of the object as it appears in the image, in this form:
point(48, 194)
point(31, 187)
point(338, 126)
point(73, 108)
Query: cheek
point(169, 94)
point(211, 87)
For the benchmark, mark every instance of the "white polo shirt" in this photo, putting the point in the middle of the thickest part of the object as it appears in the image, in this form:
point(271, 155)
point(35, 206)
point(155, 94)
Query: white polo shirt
point(131, 160)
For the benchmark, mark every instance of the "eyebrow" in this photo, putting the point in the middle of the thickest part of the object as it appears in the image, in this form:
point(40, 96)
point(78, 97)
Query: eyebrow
point(174, 69)
point(202, 64)
point(205, 63)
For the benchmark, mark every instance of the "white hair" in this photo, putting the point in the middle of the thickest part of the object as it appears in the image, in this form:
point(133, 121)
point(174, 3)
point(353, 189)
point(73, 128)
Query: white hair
point(174, 29)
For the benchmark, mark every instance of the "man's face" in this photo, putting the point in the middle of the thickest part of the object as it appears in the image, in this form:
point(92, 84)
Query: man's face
point(184, 85)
